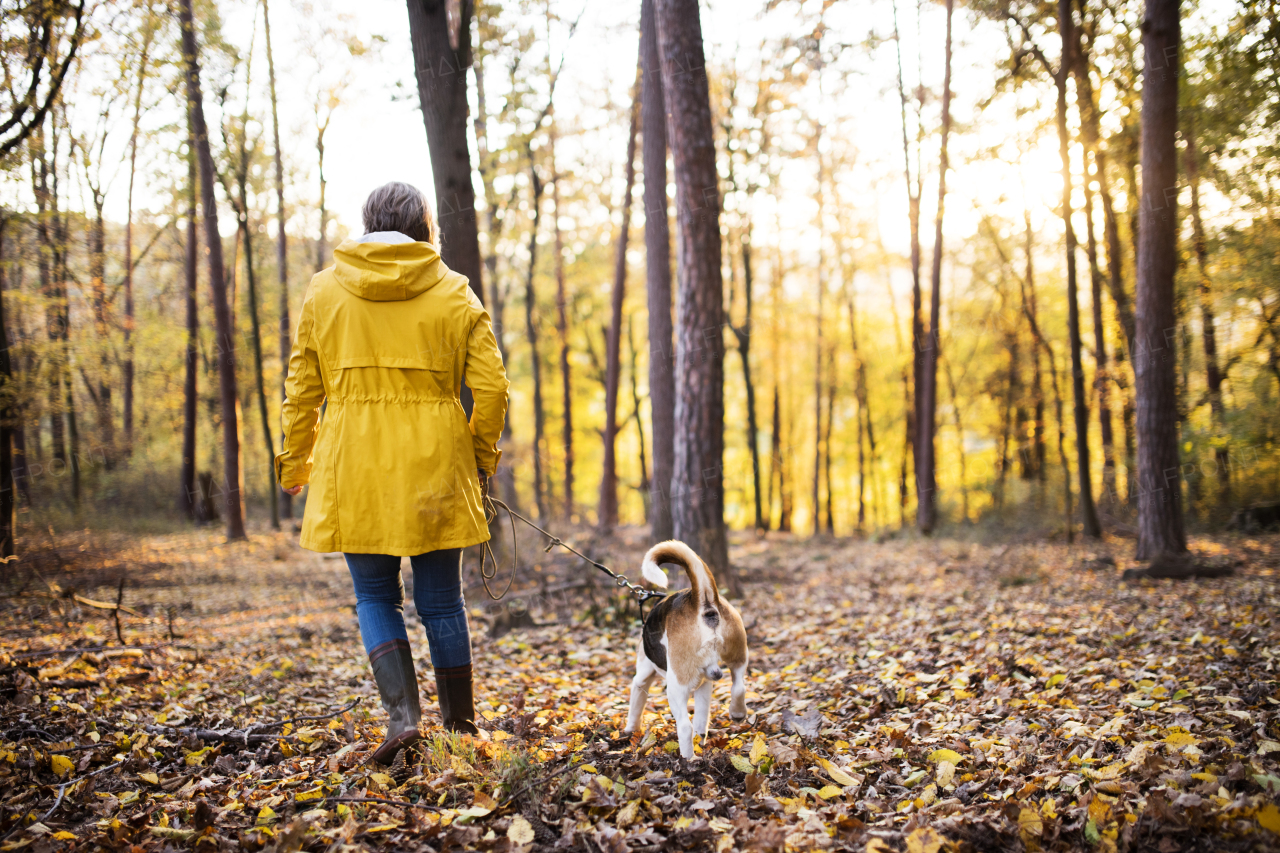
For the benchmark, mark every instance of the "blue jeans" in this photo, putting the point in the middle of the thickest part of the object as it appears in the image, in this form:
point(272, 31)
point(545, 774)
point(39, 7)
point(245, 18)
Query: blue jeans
point(437, 595)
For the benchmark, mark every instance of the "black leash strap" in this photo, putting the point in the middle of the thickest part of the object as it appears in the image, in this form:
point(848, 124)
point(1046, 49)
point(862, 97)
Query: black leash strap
point(489, 562)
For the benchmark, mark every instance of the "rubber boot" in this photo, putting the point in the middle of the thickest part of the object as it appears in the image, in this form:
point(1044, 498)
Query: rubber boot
point(392, 664)
point(457, 706)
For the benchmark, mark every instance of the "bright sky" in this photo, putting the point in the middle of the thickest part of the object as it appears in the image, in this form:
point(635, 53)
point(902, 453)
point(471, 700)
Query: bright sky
point(376, 134)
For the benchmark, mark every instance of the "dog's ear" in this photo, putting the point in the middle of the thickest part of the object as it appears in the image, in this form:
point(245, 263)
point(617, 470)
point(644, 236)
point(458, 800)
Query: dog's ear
point(654, 574)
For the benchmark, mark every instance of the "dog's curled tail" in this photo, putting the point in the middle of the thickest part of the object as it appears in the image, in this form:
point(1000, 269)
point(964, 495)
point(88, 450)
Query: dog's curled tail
point(675, 551)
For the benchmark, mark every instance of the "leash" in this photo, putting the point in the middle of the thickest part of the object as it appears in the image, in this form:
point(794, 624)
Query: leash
point(489, 562)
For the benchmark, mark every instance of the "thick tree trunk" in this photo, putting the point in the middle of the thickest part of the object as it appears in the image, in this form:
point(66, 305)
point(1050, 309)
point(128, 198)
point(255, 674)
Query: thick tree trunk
point(608, 512)
point(1160, 529)
point(562, 329)
point(697, 482)
point(1088, 512)
point(926, 420)
point(531, 333)
point(657, 250)
point(225, 339)
point(441, 57)
point(282, 241)
point(1213, 375)
point(189, 498)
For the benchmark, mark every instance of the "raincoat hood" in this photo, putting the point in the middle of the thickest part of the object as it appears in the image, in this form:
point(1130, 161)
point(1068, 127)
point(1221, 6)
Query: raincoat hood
point(387, 266)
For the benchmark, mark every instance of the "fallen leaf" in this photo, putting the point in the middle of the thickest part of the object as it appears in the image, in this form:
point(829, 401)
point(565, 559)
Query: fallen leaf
point(950, 755)
point(61, 765)
point(926, 839)
point(520, 832)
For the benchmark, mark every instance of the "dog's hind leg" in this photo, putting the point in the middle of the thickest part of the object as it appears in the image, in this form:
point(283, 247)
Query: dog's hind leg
point(678, 699)
point(646, 672)
point(702, 709)
point(738, 693)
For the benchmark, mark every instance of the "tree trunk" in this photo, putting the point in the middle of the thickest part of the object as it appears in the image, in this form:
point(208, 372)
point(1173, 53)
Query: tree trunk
point(1160, 528)
point(98, 287)
point(562, 328)
point(826, 439)
point(779, 465)
point(246, 236)
point(128, 369)
point(1213, 376)
point(911, 386)
point(189, 499)
point(45, 254)
point(697, 482)
point(635, 413)
point(864, 407)
point(1090, 129)
point(1028, 287)
point(531, 333)
point(441, 56)
point(506, 479)
point(964, 472)
point(1038, 456)
point(926, 421)
point(1008, 421)
point(743, 335)
point(282, 242)
point(1102, 379)
point(817, 355)
point(322, 248)
point(608, 513)
point(217, 281)
point(657, 250)
point(7, 416)
point(1088, 512)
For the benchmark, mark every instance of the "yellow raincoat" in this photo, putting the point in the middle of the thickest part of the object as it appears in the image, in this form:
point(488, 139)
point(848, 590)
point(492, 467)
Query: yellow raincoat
point(385, 338)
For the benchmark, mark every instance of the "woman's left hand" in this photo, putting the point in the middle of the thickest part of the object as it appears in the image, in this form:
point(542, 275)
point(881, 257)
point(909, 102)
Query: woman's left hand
point(294, 491)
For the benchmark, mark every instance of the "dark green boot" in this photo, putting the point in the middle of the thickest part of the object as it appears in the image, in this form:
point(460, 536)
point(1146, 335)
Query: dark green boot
point(457, 706)
point(392, 664)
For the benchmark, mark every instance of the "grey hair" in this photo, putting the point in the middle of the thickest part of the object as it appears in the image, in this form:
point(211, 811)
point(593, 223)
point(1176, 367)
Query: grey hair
point(399, 207)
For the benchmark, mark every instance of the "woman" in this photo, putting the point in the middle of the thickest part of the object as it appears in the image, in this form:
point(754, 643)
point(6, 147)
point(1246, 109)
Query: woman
point(386, 338)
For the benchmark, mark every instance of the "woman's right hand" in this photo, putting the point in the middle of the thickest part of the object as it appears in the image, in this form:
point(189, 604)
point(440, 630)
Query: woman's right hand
point(295, 491)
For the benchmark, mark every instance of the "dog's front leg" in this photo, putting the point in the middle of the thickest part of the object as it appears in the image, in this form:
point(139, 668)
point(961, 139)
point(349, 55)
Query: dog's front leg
point(678, 698)
point(738, 693)
point(702, 709)
point(646, 672)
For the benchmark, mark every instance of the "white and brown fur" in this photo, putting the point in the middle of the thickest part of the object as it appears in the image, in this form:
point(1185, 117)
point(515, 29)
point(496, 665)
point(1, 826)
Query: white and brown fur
point(686, 637)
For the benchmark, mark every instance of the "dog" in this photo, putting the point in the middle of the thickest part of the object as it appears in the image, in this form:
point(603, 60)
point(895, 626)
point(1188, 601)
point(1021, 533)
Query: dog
point(686, 637)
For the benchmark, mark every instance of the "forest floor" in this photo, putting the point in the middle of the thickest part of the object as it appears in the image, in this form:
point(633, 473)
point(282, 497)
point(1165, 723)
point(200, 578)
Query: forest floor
point(908, 695)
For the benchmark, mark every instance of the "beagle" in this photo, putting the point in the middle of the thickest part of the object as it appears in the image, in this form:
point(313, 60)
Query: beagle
point(686, 637)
